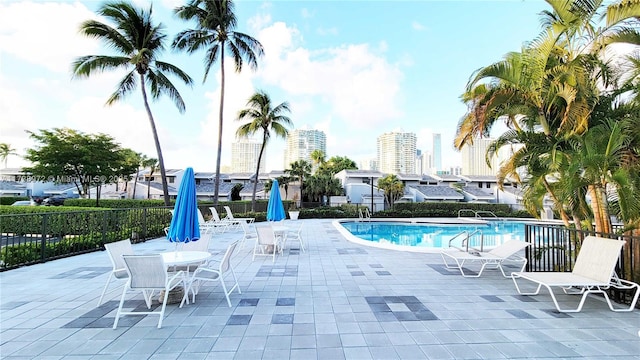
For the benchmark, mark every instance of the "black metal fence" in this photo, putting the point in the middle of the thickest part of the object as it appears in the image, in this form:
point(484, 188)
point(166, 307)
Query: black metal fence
point(554, 248)
point(27, 239)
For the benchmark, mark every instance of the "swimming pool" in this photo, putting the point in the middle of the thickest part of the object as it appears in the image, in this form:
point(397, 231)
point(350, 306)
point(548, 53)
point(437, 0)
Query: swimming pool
point(429, 236)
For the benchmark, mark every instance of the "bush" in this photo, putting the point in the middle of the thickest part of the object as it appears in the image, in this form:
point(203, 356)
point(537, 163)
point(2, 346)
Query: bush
point(8, 200)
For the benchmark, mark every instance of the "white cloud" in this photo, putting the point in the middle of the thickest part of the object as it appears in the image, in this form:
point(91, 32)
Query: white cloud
point(37, 38)
point(417, 26)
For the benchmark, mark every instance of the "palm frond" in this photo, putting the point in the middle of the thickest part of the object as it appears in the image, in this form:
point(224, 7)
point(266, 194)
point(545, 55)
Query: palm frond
point(125, 86)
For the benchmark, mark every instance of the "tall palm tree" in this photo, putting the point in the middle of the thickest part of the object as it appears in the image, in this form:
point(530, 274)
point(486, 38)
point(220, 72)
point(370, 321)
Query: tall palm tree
point(215, 32)
point(142, 159)
point(5, 151)
point(318, 158)
point(152, 165)
point(262, 116)
point(299, 170)
point(139, 42)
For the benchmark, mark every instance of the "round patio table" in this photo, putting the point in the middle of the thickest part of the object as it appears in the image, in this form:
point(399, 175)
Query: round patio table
point(176, 258)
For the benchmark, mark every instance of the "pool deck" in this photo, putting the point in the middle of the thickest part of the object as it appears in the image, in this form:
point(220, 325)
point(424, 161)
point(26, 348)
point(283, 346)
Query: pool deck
point(337, 300)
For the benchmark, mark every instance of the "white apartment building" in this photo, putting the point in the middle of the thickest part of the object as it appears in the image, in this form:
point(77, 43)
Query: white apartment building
point(301, 143)
point(397, 153)
point(244, 156)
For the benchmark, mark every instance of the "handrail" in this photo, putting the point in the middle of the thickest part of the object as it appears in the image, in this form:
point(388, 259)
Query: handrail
point(476, 213)
point(465, 241)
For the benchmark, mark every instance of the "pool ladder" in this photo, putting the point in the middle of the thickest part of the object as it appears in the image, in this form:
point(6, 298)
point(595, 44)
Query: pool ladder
point(465, 241)
point(477, 213)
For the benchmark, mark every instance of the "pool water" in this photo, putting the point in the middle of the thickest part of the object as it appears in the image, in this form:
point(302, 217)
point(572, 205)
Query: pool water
point(435, 235)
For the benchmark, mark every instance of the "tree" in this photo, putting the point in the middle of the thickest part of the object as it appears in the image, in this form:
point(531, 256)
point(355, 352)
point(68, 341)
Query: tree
point(5, 151)
point(393, 188)
point(552, 88)
point(262, 116)
point(152, 165)
point(299, 170)
point(69, 156)
point(215, 32)
point(139, 42)
point(317, 157)
point(319, 186)
point(336, 164)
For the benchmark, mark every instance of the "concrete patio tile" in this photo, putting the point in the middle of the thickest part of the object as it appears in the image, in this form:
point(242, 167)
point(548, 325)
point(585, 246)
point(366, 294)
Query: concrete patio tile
point(306, 306)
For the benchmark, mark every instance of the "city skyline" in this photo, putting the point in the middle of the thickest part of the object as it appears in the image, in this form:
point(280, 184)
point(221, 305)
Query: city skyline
point(351, 79)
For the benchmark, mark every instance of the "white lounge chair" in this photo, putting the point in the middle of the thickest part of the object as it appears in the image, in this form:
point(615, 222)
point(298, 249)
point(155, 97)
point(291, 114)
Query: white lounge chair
point(230, 216)
point(211, 225)
point(593, 272)
point(115, 250)
point(215, 217)
point(216, 271)
point(507, 251)
point(148, 273)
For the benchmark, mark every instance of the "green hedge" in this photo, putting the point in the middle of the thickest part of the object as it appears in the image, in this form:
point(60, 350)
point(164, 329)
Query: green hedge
point(116, 203)
point(8, 200)
point(448, 209)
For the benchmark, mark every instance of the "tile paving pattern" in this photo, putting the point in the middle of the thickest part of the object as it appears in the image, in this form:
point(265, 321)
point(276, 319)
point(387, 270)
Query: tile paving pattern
point(337, 300)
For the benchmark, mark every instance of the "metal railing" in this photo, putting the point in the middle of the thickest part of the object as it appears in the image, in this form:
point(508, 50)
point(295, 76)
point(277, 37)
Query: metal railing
point(555, 247)
point(27, 239)
point(477, 213)
point(464, 245)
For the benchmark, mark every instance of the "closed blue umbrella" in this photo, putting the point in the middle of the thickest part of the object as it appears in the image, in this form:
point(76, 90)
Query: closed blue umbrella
point(184, 223)
point(275, 208)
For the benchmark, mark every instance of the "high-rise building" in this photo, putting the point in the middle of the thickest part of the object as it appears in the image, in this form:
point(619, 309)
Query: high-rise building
point(474, 159)
point(436, 153)
point(244, 156)
point(397, 153)
point(301, 143)
point(424, 163)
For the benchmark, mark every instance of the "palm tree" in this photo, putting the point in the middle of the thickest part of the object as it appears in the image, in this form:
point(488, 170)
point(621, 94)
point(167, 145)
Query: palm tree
point(393, 188)
point(152, 165)
point(299, 170)
point(5, 151)
point(139, 42)
point(262, 116)
point(318, 158)
point(142, 159)
point(215, 32)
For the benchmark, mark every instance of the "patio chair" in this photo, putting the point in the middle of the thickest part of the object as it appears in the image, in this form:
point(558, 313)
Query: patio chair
point(507, 251)
point(201, 244)
point(211, 225)
point(115, 250)
point(216, 271)
point(148, 273)
point(295, 234)
point(593, 272)
point(249, 233)
point(230, 216)
point(267, 244)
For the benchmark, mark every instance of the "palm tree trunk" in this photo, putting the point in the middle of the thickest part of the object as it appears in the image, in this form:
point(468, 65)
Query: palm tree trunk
point(135, 182)
point(600, 209)
point(255, 182)
point(163, 174)
point(563, 214)
point(219, 157)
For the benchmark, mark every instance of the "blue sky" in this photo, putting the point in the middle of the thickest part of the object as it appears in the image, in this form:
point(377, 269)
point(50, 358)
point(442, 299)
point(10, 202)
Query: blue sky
point(354, 69)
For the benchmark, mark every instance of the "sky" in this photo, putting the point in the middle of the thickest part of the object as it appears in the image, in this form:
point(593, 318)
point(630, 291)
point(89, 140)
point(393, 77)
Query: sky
point(353, 69)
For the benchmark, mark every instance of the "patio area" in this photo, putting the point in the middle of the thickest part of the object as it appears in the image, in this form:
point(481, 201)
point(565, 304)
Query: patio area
point(337, 300)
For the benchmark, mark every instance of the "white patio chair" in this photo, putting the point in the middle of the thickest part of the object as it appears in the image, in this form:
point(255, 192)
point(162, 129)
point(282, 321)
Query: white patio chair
point(211, 225)
point(115, 250)
point(148, 273)
point(231, 223)
point(593, 272)
point(295, 234)
point(267, 244)
point(201, 244)
point(507, 251)
point(230, 216)
point(249, 233)
point(216, 271)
